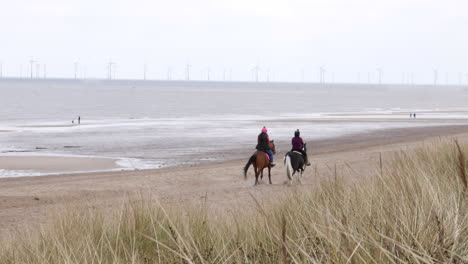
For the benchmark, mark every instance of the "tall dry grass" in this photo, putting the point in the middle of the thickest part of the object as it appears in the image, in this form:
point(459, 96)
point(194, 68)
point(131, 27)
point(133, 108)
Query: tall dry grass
point(413, 211)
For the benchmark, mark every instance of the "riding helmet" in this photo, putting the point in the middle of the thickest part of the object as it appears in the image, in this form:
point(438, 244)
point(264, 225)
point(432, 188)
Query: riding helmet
point(297, 133)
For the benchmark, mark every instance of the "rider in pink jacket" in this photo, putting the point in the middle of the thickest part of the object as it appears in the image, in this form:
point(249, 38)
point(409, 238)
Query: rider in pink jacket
point(263, 144)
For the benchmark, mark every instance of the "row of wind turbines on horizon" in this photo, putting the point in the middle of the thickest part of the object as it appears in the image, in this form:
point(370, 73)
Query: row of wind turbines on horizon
point(37, 70)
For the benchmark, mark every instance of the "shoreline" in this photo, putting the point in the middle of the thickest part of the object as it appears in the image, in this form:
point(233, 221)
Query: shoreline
point(37, 165)
point(28, 201)
point(45, 165)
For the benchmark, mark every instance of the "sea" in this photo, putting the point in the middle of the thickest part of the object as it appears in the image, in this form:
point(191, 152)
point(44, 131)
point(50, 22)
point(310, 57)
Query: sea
point(157, 124)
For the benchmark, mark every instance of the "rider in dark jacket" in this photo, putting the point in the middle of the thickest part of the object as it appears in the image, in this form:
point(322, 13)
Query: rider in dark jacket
point(298, 145)
point(263, 144)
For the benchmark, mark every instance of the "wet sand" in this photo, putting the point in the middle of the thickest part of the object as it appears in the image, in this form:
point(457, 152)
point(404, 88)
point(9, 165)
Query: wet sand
point(48, 126)
point(53, 164)
point(28, 201)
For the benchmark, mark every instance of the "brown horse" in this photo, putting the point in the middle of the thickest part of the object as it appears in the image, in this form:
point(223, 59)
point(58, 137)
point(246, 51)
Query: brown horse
point(260, 161)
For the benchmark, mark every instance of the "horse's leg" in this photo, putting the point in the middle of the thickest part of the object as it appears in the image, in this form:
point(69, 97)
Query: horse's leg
point(256, 174)
point(269, 173)
point(261, 173)
point(261, 166)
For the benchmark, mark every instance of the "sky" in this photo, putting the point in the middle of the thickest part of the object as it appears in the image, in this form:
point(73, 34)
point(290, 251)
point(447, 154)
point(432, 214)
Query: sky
point(232, 39)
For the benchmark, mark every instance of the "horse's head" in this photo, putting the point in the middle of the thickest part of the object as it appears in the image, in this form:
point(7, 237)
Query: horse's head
point(272, 146)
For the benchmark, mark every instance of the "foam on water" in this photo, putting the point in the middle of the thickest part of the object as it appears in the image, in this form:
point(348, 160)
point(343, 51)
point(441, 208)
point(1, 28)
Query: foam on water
point(124, 163)
point(140, 164)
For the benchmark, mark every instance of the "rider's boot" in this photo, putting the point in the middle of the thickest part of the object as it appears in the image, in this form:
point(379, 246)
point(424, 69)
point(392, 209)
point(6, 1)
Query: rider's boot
point(272, 165)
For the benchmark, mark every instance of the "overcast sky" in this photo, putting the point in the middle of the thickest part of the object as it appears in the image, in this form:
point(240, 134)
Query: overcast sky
point(289, 39)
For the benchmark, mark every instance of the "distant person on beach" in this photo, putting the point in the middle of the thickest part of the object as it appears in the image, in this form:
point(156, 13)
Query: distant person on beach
point(298, 145)
point(263, 144)
point(414, 115)
point(79, 120)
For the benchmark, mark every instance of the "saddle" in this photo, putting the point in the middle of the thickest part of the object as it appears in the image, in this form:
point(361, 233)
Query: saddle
point(295, 151)
point(266, 155)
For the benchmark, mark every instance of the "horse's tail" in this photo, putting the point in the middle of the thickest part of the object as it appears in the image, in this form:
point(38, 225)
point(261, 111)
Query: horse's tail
point(252, 159)
point(289, 169)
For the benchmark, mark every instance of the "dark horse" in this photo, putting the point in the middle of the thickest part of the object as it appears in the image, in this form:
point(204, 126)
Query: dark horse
point(260, 161)
point(294, 162)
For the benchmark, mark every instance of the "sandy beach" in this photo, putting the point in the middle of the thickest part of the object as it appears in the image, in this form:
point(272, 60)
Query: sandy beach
point(52, 164)
point(28, 201)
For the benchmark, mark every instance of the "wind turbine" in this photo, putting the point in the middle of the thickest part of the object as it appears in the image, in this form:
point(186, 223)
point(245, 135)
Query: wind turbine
point(208, 71)
point(110, 65)
point(187, 71)
point(322, 74)
point(114, 73)
point(255, 70)
point(31, 62)
point(379, 70)
point(45, 70)
point(76, 69)
point(38, 69)
point(144, 71)
point(169, 73)
point(436, 75)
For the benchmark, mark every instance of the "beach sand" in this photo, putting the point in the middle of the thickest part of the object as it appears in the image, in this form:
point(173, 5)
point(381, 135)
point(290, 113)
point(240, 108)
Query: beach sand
point(53, 164)
point(27, 202)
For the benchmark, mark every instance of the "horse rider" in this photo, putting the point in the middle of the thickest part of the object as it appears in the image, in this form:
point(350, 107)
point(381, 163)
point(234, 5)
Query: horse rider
point(298, 145)
point(263, 144)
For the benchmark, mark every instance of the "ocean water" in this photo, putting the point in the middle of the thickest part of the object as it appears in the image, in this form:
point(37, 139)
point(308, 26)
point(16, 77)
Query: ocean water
point(159, 124)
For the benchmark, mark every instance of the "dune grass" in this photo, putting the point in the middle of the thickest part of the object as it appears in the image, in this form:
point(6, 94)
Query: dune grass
point(412, 211)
